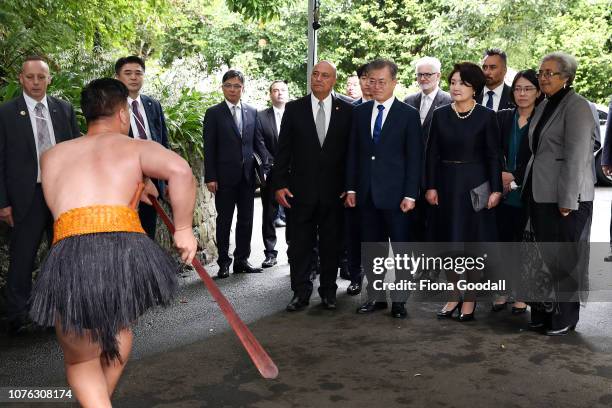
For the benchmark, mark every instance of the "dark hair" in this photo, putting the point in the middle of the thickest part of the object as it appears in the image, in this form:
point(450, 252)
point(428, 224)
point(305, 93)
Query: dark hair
point(496, 51)
point(363, 70)
point(102, 97)
point(531, 76)
point(471, 74)
point(384, 63)
point(233, 73)
point(132, 59)
point(278, 81)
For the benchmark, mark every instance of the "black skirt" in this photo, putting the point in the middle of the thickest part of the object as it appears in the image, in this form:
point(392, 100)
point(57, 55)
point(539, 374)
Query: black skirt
point(102, 282)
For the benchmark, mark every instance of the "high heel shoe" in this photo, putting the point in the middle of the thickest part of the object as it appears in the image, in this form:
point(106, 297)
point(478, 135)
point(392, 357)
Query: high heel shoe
point(467, 317)
point(445, 314)
point(498, 307)
point(561, 332)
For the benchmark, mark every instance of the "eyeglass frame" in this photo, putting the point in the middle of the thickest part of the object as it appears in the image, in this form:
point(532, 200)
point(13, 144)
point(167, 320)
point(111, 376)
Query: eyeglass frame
point(228, 86)
point(547, 74)
point(425, 75)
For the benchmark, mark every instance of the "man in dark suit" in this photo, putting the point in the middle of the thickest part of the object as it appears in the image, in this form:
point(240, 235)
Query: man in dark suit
point(147, 123)
point(384, 175)
point(606, 162)
point(268, 125)
point(308, 177)
point(496, 94)
point(229, 142)
point(426, 101)
point(29, 125)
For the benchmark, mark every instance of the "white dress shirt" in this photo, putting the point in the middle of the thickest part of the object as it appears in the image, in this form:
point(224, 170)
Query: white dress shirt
point(31, 104)
point(133, 118)
point(278, 117)
point(496, 97)
point(387, 104)
point(327, 106)
point(426, 102)
point(238, 113)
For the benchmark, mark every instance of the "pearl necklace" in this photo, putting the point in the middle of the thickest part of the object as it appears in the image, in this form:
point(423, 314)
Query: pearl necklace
point(467, 115)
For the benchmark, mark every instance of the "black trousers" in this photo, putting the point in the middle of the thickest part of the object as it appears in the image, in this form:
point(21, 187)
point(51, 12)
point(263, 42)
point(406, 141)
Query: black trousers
point(148, 219)
point(379, 227)
point(550, 226)
point(240, 197)
point(352, 243)
point(25, 238)
point(308, 221)
point(269, 214)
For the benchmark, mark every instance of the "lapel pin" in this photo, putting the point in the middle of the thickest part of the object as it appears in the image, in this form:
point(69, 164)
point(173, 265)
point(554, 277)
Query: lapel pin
point(337, 108)
point(22, 113)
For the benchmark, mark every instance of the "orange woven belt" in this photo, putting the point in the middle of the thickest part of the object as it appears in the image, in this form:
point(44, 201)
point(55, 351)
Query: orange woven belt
point(95, 219)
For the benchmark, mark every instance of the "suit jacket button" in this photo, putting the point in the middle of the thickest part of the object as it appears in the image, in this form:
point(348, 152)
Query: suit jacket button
point(373, 157)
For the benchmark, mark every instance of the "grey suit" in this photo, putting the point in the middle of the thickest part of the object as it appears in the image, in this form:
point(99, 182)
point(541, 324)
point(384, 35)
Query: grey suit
point(562, 162)
point(441, 99)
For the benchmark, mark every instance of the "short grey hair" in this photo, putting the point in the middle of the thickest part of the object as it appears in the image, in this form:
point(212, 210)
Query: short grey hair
point(431, 61)
point(567, 64)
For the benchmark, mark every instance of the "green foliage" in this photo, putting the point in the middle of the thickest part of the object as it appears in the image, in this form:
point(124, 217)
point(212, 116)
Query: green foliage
point(184, 121)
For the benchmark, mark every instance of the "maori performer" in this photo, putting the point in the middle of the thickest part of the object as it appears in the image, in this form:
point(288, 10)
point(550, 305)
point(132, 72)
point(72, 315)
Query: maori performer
point(102, 271)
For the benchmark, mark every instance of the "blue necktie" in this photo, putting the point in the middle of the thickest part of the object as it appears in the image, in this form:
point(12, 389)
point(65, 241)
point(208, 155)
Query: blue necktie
point(490, 101)
point(378, 124)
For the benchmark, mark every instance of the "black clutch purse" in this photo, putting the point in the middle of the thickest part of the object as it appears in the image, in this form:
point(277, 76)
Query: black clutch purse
point(260, 174)
point(480, 196)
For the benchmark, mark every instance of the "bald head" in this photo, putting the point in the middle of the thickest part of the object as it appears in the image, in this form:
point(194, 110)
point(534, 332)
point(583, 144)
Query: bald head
point(35, 78)
point(323, 79)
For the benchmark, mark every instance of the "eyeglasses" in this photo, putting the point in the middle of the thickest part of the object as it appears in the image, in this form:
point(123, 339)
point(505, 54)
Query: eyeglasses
point(546, 74)
point(525, 89)
point(425, 75)
point(230, 86)
point(377, 84)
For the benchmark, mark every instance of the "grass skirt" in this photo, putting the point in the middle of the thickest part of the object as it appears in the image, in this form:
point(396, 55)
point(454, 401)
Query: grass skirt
point(102, 282)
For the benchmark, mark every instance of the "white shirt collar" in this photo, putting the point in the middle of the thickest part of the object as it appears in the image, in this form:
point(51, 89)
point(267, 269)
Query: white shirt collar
point(231, 105)
point(31, 102)
point(498, 91)
point(130, 100)
point(387, 104)
point(326, 102)
point(278, 110)
point(432, 94)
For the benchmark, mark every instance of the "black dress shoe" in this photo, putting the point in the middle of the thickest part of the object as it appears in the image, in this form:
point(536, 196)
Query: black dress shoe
point(297, 304)
point(20, 327)
point(518, 310)
point(561, 332)
point(329, 303)
point(223, 272)
point(447, 314)
point(370, 306)
point(354, 289)
point(278, 223)
point(536, 326)
point(498, 307)
point(269, 262)
point(398, 310)
point(245, 267)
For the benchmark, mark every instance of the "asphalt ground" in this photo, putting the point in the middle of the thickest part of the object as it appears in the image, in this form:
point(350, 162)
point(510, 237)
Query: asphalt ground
point(186, 355)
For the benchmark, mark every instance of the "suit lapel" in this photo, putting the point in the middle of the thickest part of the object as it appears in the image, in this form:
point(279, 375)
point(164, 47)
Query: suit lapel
point(432, 107)
point(388, 120)
point(228, 112)
point(56, 121)
point(272, 118)
point(147, 104)
point(417, 101)
point(553, 117)
point(310, 118)
point(532, 125)
point(335, 109)
point(24, 125)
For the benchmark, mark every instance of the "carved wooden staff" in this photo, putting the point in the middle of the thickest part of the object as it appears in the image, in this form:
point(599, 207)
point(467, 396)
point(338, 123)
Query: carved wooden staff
point(260, 358)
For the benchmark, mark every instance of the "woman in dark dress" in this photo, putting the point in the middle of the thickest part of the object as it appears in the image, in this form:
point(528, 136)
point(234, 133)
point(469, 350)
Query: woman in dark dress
point(514, 126)
point(463, 152)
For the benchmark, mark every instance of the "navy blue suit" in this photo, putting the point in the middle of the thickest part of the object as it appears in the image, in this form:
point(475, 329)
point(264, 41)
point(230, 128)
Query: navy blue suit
point(382, 174)
point(228, 160)
point(159, 134)
point(606, 154)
